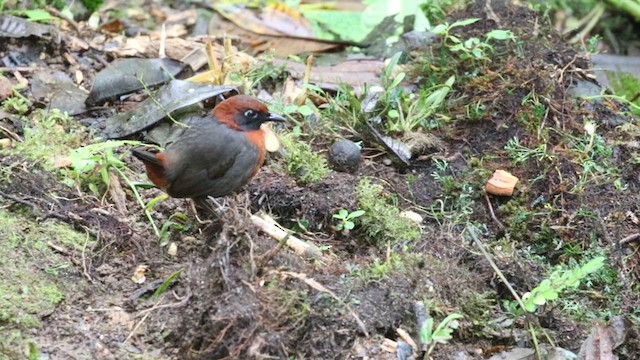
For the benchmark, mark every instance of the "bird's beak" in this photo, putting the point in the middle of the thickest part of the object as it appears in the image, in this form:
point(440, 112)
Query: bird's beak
point(275, 118)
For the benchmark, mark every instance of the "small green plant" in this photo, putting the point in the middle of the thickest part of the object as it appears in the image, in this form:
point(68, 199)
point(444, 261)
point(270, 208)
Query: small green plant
point(166, 283)
point(302, 162)
point(381, 221)
point(592, 43)
point(178, 221)
point(520, 154)
point(440, 335)
point(593, 154)
point(406, 112)
point(549, 289)
point(346, 218)
point(472, 48)
point(90, 164)
point(16, 104)
point(456, 203)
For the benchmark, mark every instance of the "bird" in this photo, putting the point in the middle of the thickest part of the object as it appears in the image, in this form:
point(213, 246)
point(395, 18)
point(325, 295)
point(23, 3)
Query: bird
point(212, 155)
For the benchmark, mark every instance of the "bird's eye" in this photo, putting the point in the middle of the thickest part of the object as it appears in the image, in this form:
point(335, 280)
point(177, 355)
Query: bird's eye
point(250, 114)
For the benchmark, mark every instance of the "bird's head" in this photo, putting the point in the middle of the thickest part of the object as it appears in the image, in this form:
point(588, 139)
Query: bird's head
point(243, 112)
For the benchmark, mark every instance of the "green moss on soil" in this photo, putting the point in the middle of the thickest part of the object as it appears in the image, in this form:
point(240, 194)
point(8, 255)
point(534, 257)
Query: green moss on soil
point(31, 285)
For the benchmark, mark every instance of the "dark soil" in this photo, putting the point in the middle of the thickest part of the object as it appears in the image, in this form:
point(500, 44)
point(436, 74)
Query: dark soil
point(240, 296)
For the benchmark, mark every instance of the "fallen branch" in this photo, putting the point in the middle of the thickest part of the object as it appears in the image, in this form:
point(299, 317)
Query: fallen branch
point(273, 229)
point(630, 238)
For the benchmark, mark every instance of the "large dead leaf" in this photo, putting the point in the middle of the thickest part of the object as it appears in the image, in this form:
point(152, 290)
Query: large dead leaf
point(260, 43)
point(604, 339)
point(59, 90)
point(125, 76)
point(356, 73)
point(11, 26)
point(273, 20)
point(175, 96)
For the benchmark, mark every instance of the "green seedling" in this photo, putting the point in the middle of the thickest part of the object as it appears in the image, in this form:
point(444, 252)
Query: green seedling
point(177, 221)
point(98, 159)
point(473, 48)
point(406, 112)
point(440, 335)
point(345, 219)
point(549, 289)
point(520, 154)
point(16, 104)
point(166, 283)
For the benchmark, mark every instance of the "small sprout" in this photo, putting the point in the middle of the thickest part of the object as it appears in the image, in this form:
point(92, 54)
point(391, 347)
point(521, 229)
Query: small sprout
point(441, 334)
point(345, 218)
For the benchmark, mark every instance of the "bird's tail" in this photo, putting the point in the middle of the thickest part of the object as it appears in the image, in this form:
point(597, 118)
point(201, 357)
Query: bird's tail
point(155, 165)
point(146, 157)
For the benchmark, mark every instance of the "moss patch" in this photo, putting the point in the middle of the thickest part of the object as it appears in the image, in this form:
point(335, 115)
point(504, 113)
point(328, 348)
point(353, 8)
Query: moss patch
point(381, 221)
point(302, 162)
point(48, 134)
point(31, 286)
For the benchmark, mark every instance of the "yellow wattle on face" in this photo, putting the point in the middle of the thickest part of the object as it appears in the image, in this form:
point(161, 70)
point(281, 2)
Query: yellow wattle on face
point(271, 142)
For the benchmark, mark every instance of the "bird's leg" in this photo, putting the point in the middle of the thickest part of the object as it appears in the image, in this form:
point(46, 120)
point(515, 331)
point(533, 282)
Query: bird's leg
point(194, 208)
point(208, 207)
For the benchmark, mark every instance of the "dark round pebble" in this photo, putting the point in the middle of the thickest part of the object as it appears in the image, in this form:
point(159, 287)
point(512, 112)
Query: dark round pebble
point(345, 156)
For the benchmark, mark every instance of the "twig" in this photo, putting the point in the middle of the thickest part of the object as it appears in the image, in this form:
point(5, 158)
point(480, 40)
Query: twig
point(20, 68)
point(513, 292)
point(493, 215)
point(271, 227)
point(55, 12)
point(630, 238)
point(11, 133)
point(84, 261)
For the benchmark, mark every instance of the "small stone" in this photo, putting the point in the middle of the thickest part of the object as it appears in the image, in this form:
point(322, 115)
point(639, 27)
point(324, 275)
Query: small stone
point(413, 216)
point(5, 143)
point(345, 156)
point(173, 249)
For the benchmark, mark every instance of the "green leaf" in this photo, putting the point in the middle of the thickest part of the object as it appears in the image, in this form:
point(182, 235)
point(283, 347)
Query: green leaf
point(593, 265)
point(38, 15)
point(397, 80)
point(356, 214)
point(426, 331)
point(165, 284)
point(440, 29)
point(455, 39)
point(153, 202)
point(464, 22)
point(305, 110)
point(104, 174)
point(530, 307)
point(500, 35)
point(393, 113)
point(349, 225)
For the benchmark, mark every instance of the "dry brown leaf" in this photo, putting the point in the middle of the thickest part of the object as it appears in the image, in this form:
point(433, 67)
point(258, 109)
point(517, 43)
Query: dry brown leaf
point(258, 43)
point(353, 72)
point(117, 194)
point(285, 20)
